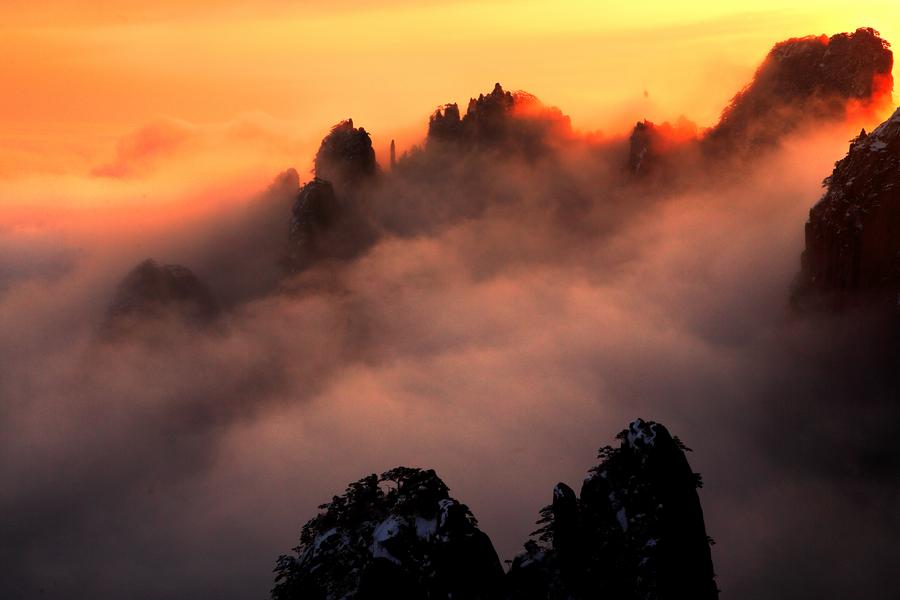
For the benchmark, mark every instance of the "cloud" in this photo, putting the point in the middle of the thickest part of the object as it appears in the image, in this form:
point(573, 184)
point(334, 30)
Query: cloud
point(169, 142)
point(141, 149)
point(514, 311)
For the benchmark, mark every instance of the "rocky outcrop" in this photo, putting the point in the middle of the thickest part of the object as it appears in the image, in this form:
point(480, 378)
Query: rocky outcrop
point(635, 532)
point(650, 144)
point(803, 80)
point(399, 535)
point(152, 291)
point(346, 157)
point(328, 218)
point(314, 217)
point(852, 252)
point(500, 120)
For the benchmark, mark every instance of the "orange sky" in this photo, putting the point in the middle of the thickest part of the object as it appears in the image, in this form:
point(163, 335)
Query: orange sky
point(108, 103)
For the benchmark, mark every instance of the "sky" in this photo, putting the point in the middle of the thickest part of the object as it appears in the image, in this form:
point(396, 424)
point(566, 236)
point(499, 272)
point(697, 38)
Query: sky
point(80, 77)
point(502, 359)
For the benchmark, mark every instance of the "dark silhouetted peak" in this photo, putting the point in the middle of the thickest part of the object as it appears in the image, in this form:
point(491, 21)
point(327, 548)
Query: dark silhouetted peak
point(324, 225)
point(852, 250)
point(445, 124)
point(346, 156)
point(509, 121)
point(152, 291)
point(805, 79)
point(314, 214)
point(328, 218)
point(650, 143)
point(636, 532)
point(488, 113)
point(399, 535)
point(641, 145)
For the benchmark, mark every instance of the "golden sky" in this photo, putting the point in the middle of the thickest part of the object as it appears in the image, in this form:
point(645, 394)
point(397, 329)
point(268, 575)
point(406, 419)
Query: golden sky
point(99, 95)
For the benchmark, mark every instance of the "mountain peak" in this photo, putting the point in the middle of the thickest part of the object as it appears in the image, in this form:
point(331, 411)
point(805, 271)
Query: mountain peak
point(153, 291)
point(346, 156)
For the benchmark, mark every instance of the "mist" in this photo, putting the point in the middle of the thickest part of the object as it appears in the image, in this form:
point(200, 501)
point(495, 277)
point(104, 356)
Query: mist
point(509, 314)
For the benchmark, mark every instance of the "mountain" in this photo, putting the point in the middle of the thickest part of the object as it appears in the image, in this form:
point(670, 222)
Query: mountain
point(852, 252)
point(801, 82)
point(328, 218)
point(346, 157)
point(636, 532)
point(399, 535)
point(804, 80)
point(151, 291)
point(515, 122)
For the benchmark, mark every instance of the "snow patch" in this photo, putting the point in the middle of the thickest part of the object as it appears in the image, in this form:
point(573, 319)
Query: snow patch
point(444, 506)
point(322, 537)
point(386, 530)
point(639, 430)
point(426, 528)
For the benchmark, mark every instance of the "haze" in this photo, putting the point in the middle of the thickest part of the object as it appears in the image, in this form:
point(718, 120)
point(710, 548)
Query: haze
point(501, 347)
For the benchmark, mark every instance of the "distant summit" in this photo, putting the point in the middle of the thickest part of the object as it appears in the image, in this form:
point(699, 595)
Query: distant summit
point(152, 291)
point(511, 121)
point(327, 218)
point(804, 79)
point(801, 82)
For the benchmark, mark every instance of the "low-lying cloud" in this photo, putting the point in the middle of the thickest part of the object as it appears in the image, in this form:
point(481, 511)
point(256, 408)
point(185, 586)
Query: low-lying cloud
point(513, 313)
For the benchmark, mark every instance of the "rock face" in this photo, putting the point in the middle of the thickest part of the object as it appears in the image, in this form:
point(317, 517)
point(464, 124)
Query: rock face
point(328, 217)
point(314, 216)
point(636, 532)
point(852, 250)
point(154, 291)
point(805, 79)
point(400, 535)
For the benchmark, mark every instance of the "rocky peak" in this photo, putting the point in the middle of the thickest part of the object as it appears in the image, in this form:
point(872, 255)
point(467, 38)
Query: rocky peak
point(328, 218)
point(398, 535)
point(346, 156)
point(637, 530)
point(445, 124)
point(153, 291)
point(804, 79)
point(852, 252)
point(635, 533)
point(650, 143)
point(500, 120)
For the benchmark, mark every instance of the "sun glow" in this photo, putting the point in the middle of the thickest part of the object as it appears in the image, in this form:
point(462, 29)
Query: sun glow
point(249, 90)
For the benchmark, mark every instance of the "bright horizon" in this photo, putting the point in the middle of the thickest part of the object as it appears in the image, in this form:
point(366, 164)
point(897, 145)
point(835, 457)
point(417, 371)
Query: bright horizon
point(249, 91)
